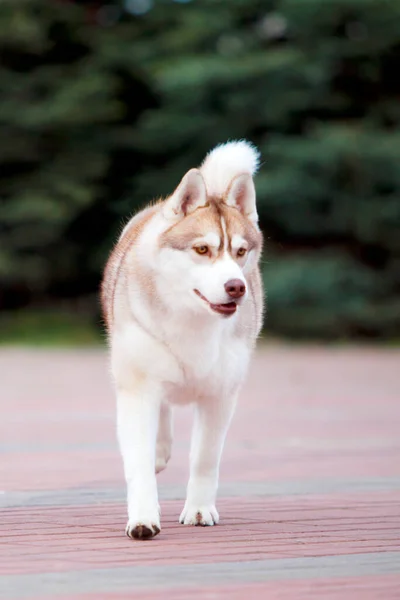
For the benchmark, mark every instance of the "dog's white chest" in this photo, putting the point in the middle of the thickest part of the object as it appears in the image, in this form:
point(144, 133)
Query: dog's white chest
point(209, 370)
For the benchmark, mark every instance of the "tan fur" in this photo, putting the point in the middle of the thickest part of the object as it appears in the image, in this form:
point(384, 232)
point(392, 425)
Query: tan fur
point(114, 267)
point(180, 237)
point(237, 224)
point(206, 219)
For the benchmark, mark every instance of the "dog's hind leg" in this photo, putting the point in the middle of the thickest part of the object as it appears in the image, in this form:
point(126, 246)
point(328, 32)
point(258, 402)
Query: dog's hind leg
point(164, 437)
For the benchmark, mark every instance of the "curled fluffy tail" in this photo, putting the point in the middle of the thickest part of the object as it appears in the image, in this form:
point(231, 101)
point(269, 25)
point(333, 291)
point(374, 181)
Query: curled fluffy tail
point(225, 162)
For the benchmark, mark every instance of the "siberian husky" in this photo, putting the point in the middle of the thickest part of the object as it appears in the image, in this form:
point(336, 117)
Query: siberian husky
point(183, 304)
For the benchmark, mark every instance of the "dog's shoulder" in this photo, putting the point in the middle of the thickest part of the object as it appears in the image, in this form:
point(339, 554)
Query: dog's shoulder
point(114, 266)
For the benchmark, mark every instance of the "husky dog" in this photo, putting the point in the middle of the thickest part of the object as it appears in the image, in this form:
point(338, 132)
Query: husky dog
point(183, 304)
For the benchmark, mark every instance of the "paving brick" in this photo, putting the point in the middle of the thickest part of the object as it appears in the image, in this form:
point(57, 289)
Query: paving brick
point(309, 499)
point(355, 588)
point(171, 579)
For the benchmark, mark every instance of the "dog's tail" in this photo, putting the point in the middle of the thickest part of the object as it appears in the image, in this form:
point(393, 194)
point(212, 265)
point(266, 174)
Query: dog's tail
point(225, 162)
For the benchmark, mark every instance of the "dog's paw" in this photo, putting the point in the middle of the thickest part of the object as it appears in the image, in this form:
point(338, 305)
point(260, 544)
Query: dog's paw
point(199, 515)
point(163, 454)
point(142, 530)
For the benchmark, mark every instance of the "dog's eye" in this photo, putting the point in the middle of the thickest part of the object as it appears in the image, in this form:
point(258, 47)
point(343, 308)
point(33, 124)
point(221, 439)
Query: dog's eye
point(241, 252)
point(201, 249)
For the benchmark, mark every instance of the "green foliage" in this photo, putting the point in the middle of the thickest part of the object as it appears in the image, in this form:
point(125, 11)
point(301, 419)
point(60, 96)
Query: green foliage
point(334, 297)
point(42, 328)
point(62, 118)
point(97, 118)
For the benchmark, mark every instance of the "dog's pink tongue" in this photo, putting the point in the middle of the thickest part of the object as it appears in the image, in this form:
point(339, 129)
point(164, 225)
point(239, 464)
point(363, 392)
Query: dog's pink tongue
point(224, 309)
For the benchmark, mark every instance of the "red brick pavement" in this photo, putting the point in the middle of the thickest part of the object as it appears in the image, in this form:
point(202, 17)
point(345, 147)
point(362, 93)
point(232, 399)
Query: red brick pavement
point(311, 473)
point(369, 588)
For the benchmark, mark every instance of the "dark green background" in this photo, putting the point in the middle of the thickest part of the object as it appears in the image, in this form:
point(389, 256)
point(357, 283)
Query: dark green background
point(102, 110)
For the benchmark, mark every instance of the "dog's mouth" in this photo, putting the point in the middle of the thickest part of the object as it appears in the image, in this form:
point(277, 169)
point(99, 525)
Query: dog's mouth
point(227, 309)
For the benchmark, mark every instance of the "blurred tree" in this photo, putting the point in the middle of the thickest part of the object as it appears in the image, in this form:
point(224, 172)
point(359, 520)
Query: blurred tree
point(70, 97)
point(106, 104)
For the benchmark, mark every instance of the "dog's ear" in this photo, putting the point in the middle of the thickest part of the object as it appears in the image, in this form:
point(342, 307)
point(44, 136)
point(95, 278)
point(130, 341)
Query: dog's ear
point(190, 194)
point(242, 195)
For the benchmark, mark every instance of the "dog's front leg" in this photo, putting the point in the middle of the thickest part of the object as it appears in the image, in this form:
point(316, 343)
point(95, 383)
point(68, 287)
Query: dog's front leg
point(137, 422)
point(212, 418)
point(164, 437)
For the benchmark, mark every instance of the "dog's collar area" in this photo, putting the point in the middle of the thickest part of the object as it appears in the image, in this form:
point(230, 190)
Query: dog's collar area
point(227, 309)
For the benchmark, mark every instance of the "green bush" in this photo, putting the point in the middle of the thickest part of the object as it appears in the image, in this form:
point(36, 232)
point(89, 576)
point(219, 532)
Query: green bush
point(97, 118)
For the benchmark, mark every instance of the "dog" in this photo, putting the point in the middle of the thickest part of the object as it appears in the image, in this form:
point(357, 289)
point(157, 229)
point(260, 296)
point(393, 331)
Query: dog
point(183, 304)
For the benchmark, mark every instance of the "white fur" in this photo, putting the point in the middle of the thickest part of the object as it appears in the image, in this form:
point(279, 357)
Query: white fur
point(190, 194)
point(242, 195)
point(178, 351)
point(227, 161)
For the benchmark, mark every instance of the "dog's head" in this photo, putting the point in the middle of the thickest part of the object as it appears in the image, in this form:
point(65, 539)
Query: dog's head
point(208, 246)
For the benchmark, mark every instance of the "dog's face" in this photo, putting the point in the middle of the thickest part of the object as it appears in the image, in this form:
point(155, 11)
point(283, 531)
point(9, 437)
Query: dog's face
point(209, 246)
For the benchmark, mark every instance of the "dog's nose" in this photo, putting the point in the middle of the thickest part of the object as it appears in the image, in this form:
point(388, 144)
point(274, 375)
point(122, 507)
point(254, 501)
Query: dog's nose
point(235, 288)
